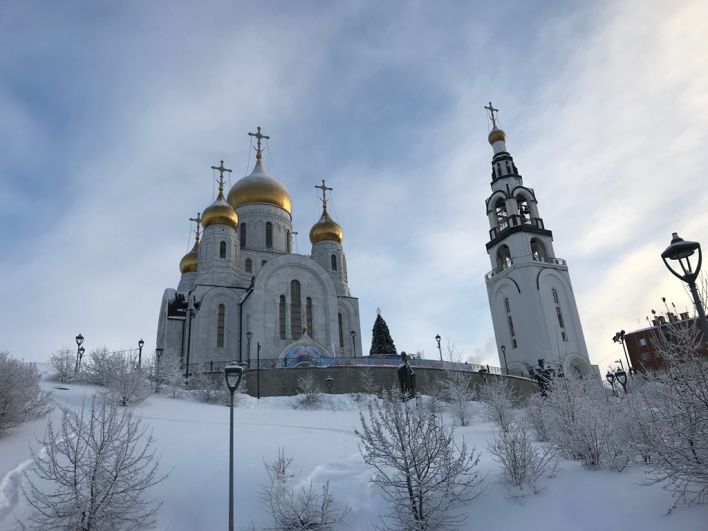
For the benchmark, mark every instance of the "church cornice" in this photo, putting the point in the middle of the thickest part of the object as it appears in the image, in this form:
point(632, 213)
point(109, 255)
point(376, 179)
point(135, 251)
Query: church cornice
point(518, 228)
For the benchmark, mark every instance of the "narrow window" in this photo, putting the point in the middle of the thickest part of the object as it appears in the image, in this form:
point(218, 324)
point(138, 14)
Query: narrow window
point(538, 250)
point(222, 250)
point(555, 296)
point(560, 317)
point(295, 310)
point(243, 236)
point(502, 217)
point(249, 265)
point(269, 235)
point(308, 307)
point(508, 168)
point(281, 317)
point(220, 326)
point(288, 236)
point(334, 262)
point(506, 306)
point(341, 330)
point(510, 321)
point(503, 257)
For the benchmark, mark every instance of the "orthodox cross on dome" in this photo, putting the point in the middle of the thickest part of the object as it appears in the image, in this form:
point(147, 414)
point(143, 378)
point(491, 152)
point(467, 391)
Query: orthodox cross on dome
point(221, 170)
point(492, 110)
point(324, 189)
point(198, 221)
point(259, 136)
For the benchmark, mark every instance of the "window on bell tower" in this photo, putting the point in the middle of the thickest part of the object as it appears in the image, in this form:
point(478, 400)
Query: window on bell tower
point(523, 206)
point(249, 265)
point(243, 235)
point(503, 257)
point(269, 235)
point(334, 262)
point(510, 322)
point(502, 216)
point(538, 250)
point(222, 250)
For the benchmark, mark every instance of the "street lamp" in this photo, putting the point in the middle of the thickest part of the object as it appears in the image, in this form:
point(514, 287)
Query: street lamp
point(329, 381)
point(438, 338)
point(611, 378)
point(158, 354)
point(233, 375)
point(140, 352)
point(79, 341)
point(681, 251)
point(249, 335)
point(81, 355)
point(619, 338)
point(506, 367)
point(353, 334)
point(621, 377)
point(258, 370)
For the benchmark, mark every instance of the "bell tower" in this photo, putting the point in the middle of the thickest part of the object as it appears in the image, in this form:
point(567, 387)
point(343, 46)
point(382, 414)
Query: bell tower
point(530, 295)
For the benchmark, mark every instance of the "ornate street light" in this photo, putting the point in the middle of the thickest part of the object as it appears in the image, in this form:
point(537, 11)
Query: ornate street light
point(140, 352)
point(81, 355)
point(621, 378)
point(233, 375)
point(353, 334)
point(619, 338)
point(681, 251)
point(258, 370)
point(438, 338)
point(611, 378)
point(79, 342)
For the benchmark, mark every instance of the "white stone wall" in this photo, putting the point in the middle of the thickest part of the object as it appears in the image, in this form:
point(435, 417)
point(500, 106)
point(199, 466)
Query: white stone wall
point(255, 217)
point(213, 269)
point(322, 253)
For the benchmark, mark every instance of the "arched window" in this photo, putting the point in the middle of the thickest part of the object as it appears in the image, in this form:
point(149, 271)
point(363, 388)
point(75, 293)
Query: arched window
point(341, 330)
point(281, 317)
point(506, 306)
point(555, 295)
point(334, 262)
point(559, 315)
point(308, 306)
point(295, 310)
point(269, 235)
point(288, 236)
point(243, 235)
point(503, 257)
point(523, 206)
point(220, 326)
point(538, 250)
point(249, 265)
point(222, 250)
point(502, 216)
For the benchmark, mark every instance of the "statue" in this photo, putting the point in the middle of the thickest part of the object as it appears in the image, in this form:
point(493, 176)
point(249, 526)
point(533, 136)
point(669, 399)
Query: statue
point(406, 377)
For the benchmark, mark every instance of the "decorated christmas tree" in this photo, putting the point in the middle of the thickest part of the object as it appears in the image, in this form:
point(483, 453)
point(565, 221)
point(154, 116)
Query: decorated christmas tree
point(381, 342)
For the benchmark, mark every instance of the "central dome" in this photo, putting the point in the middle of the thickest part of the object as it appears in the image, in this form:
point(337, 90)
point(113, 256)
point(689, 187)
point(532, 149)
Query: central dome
point(259, 187)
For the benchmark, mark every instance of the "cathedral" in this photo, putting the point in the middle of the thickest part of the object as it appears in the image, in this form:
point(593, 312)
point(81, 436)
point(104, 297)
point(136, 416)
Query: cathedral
point(243, 294)
point(533, 307)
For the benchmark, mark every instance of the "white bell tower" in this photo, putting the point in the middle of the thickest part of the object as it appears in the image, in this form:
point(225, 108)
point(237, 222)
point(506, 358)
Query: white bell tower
point(530, 295)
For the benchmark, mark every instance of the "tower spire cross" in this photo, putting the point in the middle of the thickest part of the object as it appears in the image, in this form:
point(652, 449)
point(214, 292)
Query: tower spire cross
point(492, 110)
point(324, 189)
point(259, 136)
point(221, 169)
point(198, 221)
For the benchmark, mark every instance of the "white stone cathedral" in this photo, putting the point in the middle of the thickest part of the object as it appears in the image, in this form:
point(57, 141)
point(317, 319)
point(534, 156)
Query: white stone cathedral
point(530, 295)
point(243, 293)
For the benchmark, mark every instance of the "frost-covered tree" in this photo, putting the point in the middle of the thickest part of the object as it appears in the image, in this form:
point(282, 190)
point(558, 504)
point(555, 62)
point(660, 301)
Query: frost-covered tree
point(169, 372)
point(21, 399)
point(63, 364)
point(499, 398)
point(381, 342)
point(101, 365)
point(309, 392)
point(298, 508)
point(93, 472)
point(210, 388)
point(423, 475)
point(127, 384)
point(457, 390)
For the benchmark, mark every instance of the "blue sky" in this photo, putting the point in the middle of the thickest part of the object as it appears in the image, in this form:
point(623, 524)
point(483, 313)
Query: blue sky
point(112, 113)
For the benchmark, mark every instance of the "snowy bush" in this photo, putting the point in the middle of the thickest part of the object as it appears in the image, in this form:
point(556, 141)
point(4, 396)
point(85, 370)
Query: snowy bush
point(101, 365)
point(422, 474)
point(63, 363)
point(368, 382)
point(127, 384)
point(210, 388)
point(170, 373)
point(21, 399)
point(298, 509)
point(457, 389)
point(499, 398)
point(523, 461)
point(535, 415)
point(94, 472)
point(309, 392)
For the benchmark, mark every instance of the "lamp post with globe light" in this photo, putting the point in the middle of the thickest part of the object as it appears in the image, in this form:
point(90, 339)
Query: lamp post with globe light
point(79, 353)
point(233, 375)
point(141, 343)
point(438, 338)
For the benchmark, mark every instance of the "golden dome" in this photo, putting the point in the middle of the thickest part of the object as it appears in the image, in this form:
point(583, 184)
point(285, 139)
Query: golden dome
point(326, 229)
point(260, 188)
point(219, 213)
point(189, 261)
point(496, 135)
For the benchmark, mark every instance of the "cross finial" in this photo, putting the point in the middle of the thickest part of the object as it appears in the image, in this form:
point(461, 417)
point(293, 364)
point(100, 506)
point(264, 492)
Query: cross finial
point(492, 110)
point(198, 221)
point(221, 170)
point(324, 189)
point(259, 136)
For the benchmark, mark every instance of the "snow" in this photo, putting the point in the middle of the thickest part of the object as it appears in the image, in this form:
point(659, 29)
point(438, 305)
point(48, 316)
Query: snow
point(193, 441)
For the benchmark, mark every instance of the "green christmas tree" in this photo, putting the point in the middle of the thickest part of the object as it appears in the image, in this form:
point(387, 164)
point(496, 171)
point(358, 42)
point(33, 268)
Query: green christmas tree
point(381, 342)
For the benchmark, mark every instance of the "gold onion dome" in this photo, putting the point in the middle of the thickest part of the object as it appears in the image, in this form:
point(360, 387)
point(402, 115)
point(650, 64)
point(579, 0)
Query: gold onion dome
point(219, 213)
point(259, 187)
point(496, 135)
point(326, 229)
point(189, 261)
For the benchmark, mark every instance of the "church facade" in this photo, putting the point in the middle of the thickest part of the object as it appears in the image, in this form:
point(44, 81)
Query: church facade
point(244, 294)
point(533, 307)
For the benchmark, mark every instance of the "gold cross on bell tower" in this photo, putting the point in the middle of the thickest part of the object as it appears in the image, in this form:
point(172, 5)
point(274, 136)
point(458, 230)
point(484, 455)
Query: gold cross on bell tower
point(221, 171)
point(198, 221)
point(492, 110)
point(258, 135)
point(324, 189)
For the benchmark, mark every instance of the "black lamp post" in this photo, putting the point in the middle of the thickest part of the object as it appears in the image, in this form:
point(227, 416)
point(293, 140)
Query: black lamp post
point(438, 338)
point(506, 367)
point(619, 338)
point(81, 355)
point(79, 341)
point(329, 381)
point(353, 334)
point(249, 335)
point(258, 370)
point(681, 251)
point(233, 375)
point(621, 378)
point(611, 378)
point(158, 354)
point(140, 352)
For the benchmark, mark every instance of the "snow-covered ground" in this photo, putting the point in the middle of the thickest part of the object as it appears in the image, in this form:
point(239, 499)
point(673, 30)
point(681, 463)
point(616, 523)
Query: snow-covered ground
point(193, 440)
